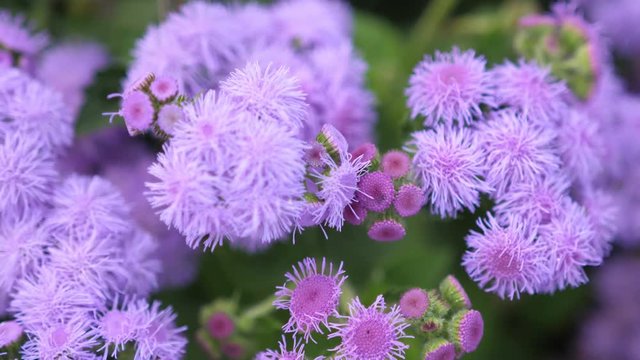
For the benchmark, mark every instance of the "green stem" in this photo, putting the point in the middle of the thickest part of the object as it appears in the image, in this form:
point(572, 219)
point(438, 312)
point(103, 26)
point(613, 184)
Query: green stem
point(425, 30)
point(261, 309)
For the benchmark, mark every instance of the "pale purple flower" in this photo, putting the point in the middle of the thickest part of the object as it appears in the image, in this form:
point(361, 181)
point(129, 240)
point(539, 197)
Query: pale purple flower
point(516, 151)
point(603, 213)
point(159, 337)
point(334, 142)
point(506, 260)
point(163, 88)
point(296, 352)
point(10, 332)
point(395, 163)
point(87, 206)
point(168, 116)
point(409, 200)
point(530, 90)
point(220, 325)
point(414, 303)
point(312, 22)
point(448, 165)
point(27, 173)
point(386, 230)
point(139, 258)
point(449, 87)
point(61, 340)
point(137, 111)
point(16, 34)
point(581, 145)
point(569, 240)
point(467, 330)
point(368, 151)
point(118, 326)
point(268, 93)
point(538, 200)
point(376, 191)
point(311, 294)
point(371, 332)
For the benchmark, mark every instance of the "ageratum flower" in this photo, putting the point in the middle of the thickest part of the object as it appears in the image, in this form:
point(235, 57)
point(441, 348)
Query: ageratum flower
point(506, 260)
point(17, 35)
point(395, 163)
point(22, 245)
point(118, 326)
point(581, 145)
point(409, 200)
point(414, 303)
point(603, 213)
point(311, 294)
point(312, 23)
point(371, 332)
point(448, 165)
point(296, 352)
point(439, 349)
point(467, 329)
point(158, 336)
point(386, 230)
point(376, 191)
point(449, 87)
point(70, 339)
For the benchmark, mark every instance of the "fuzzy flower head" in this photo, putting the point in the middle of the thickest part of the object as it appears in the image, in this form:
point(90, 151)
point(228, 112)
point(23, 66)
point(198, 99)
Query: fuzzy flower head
point(371, 332)
point(164, 88)
point(467, 329)
point(395, 163)
point(449, 88)
point(268, 93)
point(61, 340)
point(516, 151)
point(220, 325)
point(414, 303)
point(530, 90)
point(409, 200)
point(448, 165)
point(581, 145)
point(376, 191)
point(386, 231)
point(168, 117)
point(311, 295)
point(158, 337)
point(137, 111)
point(118, 326)
point(506, 260)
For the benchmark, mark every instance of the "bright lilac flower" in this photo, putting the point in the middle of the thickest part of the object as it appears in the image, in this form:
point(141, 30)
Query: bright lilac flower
point(376, 191)
point(220, 325)
point(414, 303)
point(159, 336)
point(355, 214)
point(30, 108)
point(118, 326)
point(371, 333)
point(395, 163)
point(10, 332)
point(530, 90)
point(448, 165)
point(386, 230)
point(311, 295)
point(581, 145)
point(440, 349)
point(61, 340)
point(569, 239)
point(137, 111)
point(22, 245)
point(84, 206)
point(164, 88)
point(296, 353)
point(506, 260)
point(368, 151)
point(16, 35)
point(312, 22)
point(44, 297)
point(268, 93)
point(168, 116)
point(516, 151)
point(467, 330)
point(409, 200)
point(449, 88)
point(538, 201)
point(27, 173)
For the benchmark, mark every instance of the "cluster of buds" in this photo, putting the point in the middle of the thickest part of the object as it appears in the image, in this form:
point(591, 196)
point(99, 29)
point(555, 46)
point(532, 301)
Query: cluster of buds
point(152, 104)
point(444, 319)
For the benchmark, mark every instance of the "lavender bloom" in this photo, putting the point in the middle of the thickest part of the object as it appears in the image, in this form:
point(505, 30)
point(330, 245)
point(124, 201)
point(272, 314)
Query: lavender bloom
point(118, 326)
point(27, 173)
point(506, 260)
point(386, 230)
point(10, 332)
point(137, 111)
point(467, 330)
point(376, 191)
point(448, 165)
point(268, 94)
point(581, 145)
point(449, 87)
point(168, 117)
point(569, 239)
point(296, 353)
point(17, 35)
point(414, 303)
point(395, 163)
point(311, 295)
point(516, 151)
point(409, 200)
point(371, 332)
point(159, 336)
point(61, 340)
point(530, 90)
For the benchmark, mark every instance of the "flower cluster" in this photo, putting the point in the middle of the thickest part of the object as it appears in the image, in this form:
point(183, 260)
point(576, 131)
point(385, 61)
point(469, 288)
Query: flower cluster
point(203, 43)
point(521, 137)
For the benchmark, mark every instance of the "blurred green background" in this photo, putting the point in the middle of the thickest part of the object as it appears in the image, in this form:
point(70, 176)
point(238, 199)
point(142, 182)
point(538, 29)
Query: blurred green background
point(392, 36)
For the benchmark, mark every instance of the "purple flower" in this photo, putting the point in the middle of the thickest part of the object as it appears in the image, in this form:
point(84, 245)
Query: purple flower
point(140, 262)
point(27, 173)
point(386, 230)
point(17, 35)
point(409, 200)
point(414, 303)
point(516, 151)
point(368, 151)
point(371, 332)
point(268, 94)
point(137, 111)
point(449, 88)
point(569, 239)
point(530, 90)
point(159, 336)
point(312, 22)
point(376, 191)
point(10, 332)
point(168, 116)
point(163, 88)
point(296, 353)
point(311, 295)
point(69, 339)
point(439, 349)
point(603, 213)
point(220, 325)
point(395, 163)
point(506, 260)
point(449, 167)
point(118, 326)
point(538, 201)
point(581, 145)
point(467, 329)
